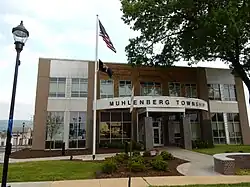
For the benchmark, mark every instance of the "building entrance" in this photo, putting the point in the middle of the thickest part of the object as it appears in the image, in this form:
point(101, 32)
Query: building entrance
point(157, 132)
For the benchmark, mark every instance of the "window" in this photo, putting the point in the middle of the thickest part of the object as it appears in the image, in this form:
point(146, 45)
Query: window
point(219, 136)
point(174, 89)
point(234, 128)
point(125, 88)
point(229, 92)
point(77, 130)
point(195, 125)
point(106, 89)
point(214, 91)
point(57, 87)
point(150, 89)
point(79, 87)
point(54, 130)
point(115, 127)
point(190, 90)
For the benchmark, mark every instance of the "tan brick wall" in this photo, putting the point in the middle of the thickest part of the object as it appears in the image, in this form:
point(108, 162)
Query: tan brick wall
point(42, 93)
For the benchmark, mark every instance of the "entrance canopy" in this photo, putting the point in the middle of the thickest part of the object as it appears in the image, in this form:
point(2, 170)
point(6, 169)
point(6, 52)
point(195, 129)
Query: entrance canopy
point(163, 109)
point(151, 102)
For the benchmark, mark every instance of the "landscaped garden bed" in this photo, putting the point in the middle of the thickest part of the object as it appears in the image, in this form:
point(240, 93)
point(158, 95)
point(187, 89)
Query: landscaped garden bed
point(113, 167)
point(144, 165)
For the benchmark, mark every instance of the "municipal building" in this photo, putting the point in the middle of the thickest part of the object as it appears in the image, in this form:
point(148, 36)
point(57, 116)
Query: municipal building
point(171, 106)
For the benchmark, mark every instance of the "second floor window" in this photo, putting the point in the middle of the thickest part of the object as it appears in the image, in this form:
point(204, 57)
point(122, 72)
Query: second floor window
point(125, 88)
point(190, 90)
point(214, 92)
point(79, 87)
point(229, 92)
point(106, 89)
point(174, 89)
point(150, 89)
point(57, 87)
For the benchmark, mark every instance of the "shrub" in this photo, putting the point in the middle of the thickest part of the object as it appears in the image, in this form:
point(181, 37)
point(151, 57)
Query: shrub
point(147, 154)
point(137, 166)
point(166, 155)
point(121, 157)
point(138, 158)
point(136, 153)
point(109, 166)
point(200, 144)
point(159, 164)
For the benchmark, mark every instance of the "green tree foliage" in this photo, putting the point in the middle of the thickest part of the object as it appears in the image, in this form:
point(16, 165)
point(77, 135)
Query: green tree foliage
point(191, 30)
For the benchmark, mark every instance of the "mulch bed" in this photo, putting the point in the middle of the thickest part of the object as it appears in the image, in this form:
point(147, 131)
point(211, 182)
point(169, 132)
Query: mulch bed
point(123, 171)
point(28, 153)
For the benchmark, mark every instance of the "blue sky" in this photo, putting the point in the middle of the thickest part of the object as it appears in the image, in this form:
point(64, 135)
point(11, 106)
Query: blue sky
point(58, 29)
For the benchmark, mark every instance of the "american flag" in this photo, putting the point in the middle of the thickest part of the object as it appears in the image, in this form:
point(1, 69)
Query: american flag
point(105, 37)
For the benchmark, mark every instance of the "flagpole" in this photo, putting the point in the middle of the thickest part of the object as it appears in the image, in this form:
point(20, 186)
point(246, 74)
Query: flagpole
point(95, 89)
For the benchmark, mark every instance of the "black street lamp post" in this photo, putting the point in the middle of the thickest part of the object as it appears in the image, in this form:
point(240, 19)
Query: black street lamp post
point(20, 35)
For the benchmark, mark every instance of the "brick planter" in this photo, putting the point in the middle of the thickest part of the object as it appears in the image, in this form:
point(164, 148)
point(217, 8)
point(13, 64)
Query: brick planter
point(229, 163)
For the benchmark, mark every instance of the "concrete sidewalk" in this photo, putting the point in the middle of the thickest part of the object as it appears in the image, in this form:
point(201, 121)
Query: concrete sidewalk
point(140, 182)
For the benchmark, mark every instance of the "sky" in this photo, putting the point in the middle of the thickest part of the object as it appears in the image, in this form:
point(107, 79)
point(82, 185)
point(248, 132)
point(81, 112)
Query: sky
point(58, 29)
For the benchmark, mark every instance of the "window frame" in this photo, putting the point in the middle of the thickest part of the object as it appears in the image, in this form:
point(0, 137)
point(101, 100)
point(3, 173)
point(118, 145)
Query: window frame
point(229, 88)
point(79, 92)
point(57, 81)
point(110, 122)
point(78, 125)
point(154, 86)
point(180, 87)
point(105, 94)
point(235, 135)
point(212, 86)
point(55, 141)
point(125, 95)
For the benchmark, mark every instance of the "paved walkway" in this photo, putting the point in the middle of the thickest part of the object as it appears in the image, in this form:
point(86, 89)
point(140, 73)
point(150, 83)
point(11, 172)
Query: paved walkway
point(140, 182)
point(198, 165)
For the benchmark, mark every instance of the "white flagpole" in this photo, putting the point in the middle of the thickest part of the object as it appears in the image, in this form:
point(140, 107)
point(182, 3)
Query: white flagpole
point(132, 99)
point(95, 88)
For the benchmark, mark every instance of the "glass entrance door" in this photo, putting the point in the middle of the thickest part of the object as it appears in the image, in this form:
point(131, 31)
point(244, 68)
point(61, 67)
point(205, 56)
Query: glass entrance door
point(157, 133)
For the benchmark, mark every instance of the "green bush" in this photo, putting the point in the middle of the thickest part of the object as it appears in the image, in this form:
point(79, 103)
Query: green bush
point(159, 164)
point(138, 158)
point(137, 166)
point(109, 166)
point(136, 153)
point(121, 157)
point(200, 144)
point(166, 155)
point(147, 154)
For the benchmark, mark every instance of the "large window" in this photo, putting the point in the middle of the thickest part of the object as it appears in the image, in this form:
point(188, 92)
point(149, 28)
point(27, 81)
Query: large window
point(79, 87)
point(57, 87)
point(77, 130)
point(125, 88)
point(115, 127)
point(234, 128)
point(195, 125)
point(229, 92)
point(190, 90)
point(54, 130)
point(214, 92)
point(219, 135)
point(174, 89)
point(106, 89)
point(150, 89)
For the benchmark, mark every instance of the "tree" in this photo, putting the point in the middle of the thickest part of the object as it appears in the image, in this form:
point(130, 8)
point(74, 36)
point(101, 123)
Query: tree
point(53, 127)
point(190, 30)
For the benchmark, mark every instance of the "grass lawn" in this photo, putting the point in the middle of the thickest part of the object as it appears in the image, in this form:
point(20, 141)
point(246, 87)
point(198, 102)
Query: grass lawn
point(224, 148)
point(51, 170)
point(214, 185)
